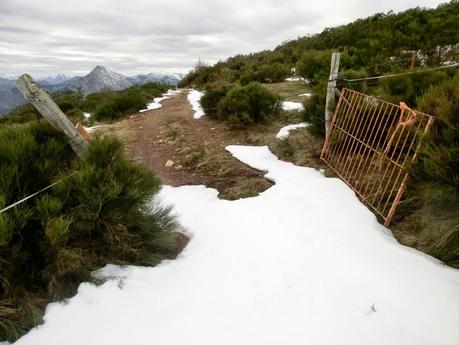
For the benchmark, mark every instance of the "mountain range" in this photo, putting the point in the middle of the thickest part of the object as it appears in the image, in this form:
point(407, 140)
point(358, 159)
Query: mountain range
point(100, 78)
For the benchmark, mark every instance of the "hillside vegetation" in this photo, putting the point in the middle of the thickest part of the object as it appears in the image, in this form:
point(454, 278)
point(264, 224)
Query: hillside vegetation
point(415, 40)
point(101, 211)
point(104, 105)
point(375, 45)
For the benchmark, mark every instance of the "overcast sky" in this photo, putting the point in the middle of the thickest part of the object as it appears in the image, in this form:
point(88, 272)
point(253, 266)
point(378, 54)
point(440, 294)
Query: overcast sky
point(47, 37)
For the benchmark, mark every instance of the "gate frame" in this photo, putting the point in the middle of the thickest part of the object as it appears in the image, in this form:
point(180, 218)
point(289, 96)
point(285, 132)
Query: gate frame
point(403, 169)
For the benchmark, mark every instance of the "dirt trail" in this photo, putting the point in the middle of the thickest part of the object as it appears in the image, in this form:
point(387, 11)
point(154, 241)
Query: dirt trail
point(195, 146)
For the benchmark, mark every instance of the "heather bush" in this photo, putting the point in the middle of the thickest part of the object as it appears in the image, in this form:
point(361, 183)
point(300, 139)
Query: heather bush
point(211, 99)
point(314, 109)
point(113, 105)
point(101, 212)
point(248, 105)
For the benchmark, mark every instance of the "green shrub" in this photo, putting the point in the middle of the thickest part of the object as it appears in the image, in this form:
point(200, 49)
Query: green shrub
point(439, 153)
point(101, 212)
point(314, 110)
point(436, 174)
point(314, 66)
point(248, 105)
point(408, 88)
point(113, 105)
point(211, 99)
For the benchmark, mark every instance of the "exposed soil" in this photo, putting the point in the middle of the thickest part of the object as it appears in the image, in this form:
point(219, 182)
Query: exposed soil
point(195, 147)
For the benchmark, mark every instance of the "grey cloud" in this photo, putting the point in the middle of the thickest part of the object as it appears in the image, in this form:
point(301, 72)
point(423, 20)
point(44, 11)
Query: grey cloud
point(48, 37)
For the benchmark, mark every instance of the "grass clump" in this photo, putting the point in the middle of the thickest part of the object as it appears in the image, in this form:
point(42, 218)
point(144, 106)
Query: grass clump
point(102, 212)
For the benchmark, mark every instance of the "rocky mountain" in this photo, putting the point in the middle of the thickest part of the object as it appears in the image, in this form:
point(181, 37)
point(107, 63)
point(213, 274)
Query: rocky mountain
point(172, 78)
point(100, 78)
point(58, 79)
point(10, 97)
point(6, 84)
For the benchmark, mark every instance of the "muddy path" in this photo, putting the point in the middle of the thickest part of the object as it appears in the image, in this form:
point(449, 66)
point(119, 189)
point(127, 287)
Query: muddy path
point(182, 150)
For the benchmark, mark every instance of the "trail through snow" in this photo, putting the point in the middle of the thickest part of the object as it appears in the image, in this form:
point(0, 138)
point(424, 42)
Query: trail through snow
point(303, 263)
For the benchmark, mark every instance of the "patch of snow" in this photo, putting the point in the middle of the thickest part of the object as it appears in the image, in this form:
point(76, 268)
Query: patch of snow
point(91, 129)
point(285, 131)
point(171, 92)
point(295, 79)
point(303, 263)
point(307, 94)
point(87, 115)
point(155, 104)
point(287, 105)
point(194, 97)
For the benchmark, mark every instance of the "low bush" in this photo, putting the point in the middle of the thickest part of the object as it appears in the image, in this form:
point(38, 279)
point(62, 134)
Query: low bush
point(248, 105)
point(439, 153)
point(408, 88)
point(314, 110)
point(314, 66)
point(113, 105)
point(101, 212)
point(211, 99)
point(435, 178)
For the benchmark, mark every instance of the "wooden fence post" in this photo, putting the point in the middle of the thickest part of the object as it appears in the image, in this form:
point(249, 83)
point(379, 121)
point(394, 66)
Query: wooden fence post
point(331, 85)
point(34, 94)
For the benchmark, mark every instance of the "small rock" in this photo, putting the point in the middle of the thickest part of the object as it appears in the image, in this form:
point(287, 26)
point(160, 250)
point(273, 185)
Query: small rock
point(169, 163)
point(178, 167)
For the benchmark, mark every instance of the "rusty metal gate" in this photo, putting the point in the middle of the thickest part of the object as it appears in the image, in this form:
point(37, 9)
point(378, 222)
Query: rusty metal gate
point(370, 145)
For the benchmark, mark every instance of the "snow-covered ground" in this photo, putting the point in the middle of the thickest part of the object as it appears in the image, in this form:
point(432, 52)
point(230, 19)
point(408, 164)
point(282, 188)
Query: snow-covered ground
point(194, 97)
point(307, 94)
point(303, 263)
point(156, 104)
point(285, 131)
point(287, 105)
point(295, 79)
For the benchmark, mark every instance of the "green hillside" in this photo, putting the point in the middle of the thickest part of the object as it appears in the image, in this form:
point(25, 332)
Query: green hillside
point(423, 42)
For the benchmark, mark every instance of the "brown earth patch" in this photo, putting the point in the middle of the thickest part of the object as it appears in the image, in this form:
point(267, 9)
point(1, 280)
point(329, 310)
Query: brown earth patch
point(196, 148)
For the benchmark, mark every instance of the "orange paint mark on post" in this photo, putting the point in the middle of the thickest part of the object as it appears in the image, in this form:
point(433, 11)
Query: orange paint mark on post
point(82, 130)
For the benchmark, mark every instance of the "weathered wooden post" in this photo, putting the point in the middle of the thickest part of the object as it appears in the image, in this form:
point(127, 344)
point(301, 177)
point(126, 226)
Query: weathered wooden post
point(34, 94)
point(331, 85)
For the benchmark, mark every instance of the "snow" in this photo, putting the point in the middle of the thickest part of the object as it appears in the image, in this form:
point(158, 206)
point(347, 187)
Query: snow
point(156, 104)
point(302, 263)
point(285, 131)
point(307, 94)
point(194, 98)
point(292, 106)
point(294, 79)
point(91, 129)
point(86, 115)
point(171, 92)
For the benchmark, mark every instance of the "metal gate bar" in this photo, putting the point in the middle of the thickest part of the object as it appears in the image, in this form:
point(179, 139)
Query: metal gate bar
point(370, 146)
